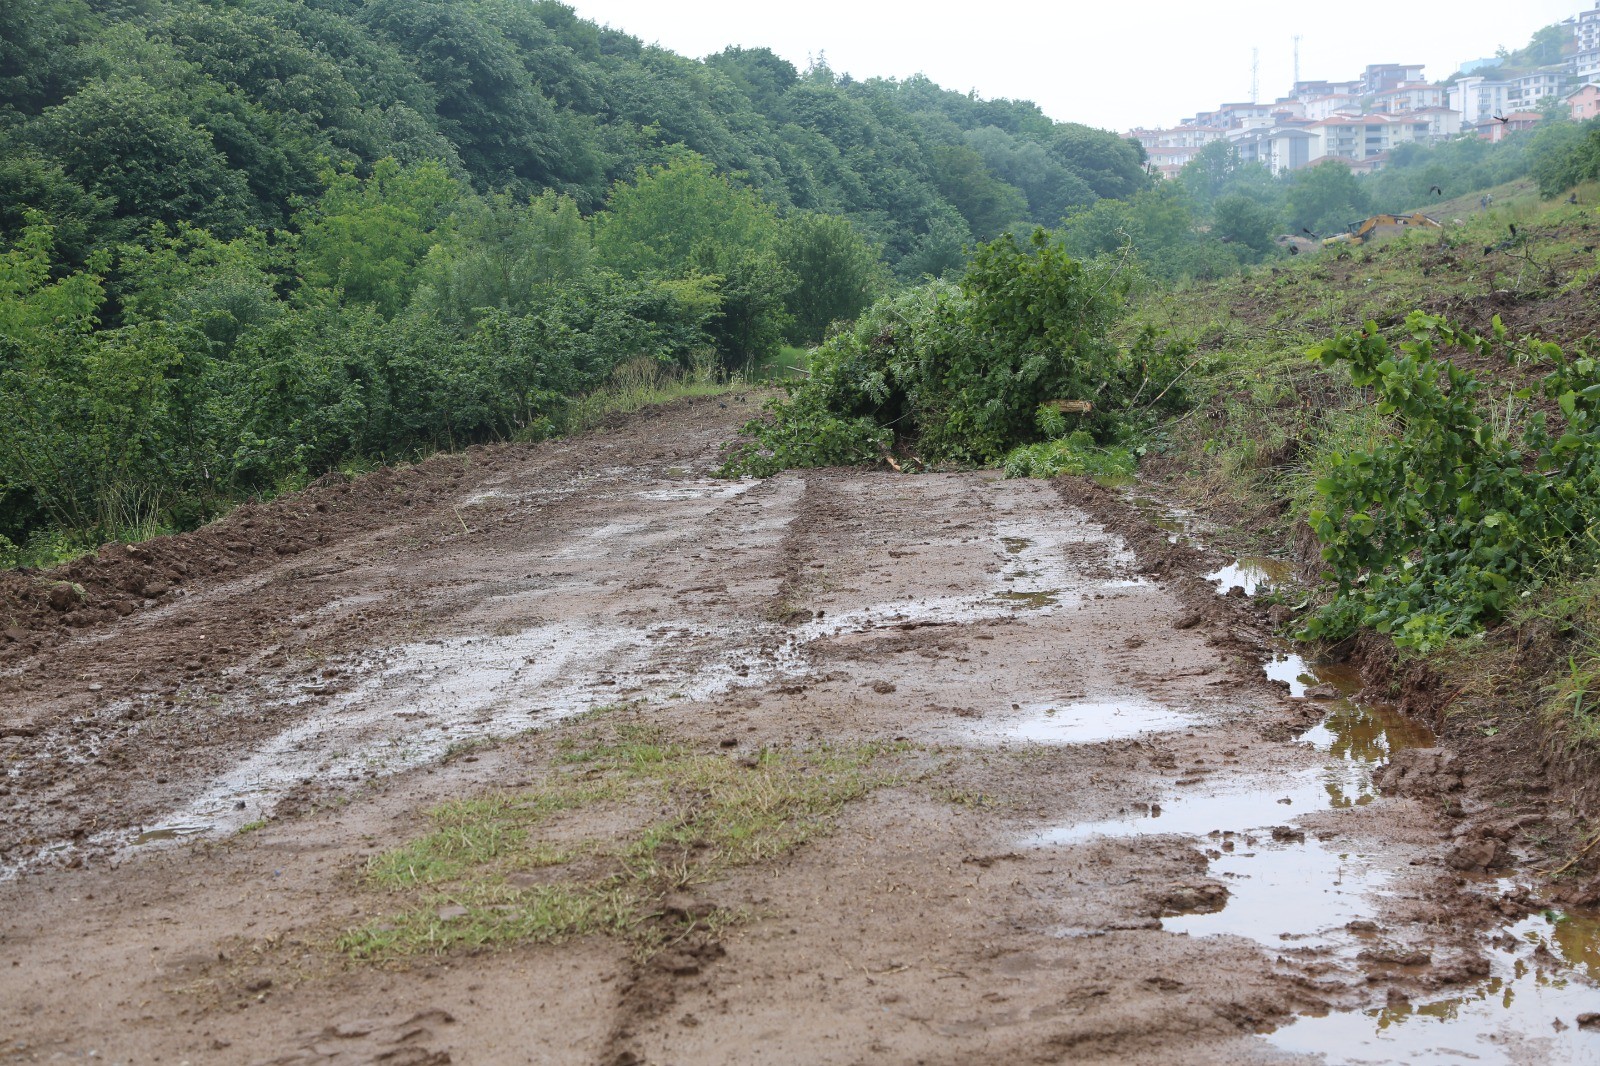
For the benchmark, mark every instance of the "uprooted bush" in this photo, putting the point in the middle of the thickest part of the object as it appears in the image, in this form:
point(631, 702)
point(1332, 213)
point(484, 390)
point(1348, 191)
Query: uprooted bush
point(1015, 353)
point(1478, 497)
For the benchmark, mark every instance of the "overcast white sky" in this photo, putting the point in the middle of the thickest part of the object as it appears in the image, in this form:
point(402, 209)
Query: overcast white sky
point(1107, 63)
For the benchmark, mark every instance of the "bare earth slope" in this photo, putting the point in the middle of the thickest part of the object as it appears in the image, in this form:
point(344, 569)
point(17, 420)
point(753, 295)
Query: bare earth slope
point(1104, 836)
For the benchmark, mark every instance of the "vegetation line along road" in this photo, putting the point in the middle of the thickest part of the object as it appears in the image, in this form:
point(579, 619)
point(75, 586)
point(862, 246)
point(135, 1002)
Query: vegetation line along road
point(531, 499)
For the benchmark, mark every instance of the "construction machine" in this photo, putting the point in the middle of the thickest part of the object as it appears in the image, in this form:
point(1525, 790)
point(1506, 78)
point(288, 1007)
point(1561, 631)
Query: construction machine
point(1379, 225)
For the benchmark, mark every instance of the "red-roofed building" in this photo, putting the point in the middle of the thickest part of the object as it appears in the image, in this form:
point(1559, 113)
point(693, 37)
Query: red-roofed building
point(1495, 130)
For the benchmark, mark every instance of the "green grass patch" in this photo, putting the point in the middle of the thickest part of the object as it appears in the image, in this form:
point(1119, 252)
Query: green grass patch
point(635, 385)
point(1076, 454)
point(468, 883)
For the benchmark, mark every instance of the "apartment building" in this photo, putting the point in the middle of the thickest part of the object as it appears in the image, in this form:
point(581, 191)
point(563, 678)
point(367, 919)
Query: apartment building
point(1584, 65)
point(1321, 107)
point(1527, 91)
point(1410, 97)
point(1309, 90)
point(1381, 77)
point(1479, 99)
point(1281, 148)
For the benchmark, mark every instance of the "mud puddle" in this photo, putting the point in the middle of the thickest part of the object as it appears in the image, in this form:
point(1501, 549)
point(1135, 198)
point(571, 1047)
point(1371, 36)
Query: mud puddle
point(1085, 722)
point(1287, 885)
point(1545, 975)
point(1291, 669)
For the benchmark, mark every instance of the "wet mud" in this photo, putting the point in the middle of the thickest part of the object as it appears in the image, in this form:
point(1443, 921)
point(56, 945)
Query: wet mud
point(1127, 825)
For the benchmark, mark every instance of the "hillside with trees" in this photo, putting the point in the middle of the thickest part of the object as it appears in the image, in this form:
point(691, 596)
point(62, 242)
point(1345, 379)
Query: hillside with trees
point(244, 243)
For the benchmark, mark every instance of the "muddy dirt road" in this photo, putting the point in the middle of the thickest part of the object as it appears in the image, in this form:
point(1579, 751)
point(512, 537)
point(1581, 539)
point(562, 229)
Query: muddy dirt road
point(835, 767)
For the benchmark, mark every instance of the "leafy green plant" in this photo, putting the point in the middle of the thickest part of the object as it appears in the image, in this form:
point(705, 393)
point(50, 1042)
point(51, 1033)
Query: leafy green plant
point(1434, 531)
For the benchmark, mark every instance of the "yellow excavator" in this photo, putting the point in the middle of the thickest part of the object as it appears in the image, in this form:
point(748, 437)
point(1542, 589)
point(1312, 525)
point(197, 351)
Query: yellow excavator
point(1379, 225)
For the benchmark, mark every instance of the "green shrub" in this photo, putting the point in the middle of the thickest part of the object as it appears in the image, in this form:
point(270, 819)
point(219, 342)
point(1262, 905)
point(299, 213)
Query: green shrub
point(960, 372)
point(1436, 530)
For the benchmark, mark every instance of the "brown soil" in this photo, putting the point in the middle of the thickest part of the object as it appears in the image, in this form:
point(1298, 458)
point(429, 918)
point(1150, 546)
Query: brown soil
point(321, 664)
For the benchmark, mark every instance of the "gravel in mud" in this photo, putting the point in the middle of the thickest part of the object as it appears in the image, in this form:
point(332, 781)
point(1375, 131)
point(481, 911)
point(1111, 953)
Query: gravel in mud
point(1113, 840)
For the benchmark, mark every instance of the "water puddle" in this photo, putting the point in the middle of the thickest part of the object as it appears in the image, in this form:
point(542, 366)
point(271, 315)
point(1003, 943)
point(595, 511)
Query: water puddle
point(705, 489)
point(1179, 525)
point(1033, 600)
point(1088, 721)
point(1287, 886)
point(169, 833)
point(1251, 573)
point(1545, 972)
point(1284, 886)
point(1292, 670)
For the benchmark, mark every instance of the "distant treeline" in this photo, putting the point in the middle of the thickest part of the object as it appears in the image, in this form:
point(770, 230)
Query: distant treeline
point(1222, 212)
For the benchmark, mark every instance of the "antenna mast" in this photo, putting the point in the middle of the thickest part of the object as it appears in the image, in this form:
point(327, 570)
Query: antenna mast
point(1297, 59)
point(1255, 75)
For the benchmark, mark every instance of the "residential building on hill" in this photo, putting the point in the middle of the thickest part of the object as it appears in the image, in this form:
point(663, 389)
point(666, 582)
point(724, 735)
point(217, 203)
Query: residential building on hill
point(1381, 77)
point(1478, 98)
point(1584, 102)
point(1529, 89)
point(1361, 121)
point(1584, 64)
point(1411, 97)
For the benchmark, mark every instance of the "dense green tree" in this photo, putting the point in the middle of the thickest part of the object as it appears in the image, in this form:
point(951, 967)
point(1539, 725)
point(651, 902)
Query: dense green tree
point(37, 63)
point(487, 103)
point(30, 181)
point(1051, 189)
point(837, 273)
point(988, 204)
point(1114, 168)
point(132, 144)
point(1246, 224)
point(1326, 199)
point(367, 237)
point(655, 223)
point(505, 255)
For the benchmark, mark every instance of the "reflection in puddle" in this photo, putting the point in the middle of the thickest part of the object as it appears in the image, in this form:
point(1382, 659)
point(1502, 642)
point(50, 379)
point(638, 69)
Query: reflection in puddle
point(1177, 524)
point(1367, 734)
point(1092, 721)
point(1292, 670)
point(1250, 573)
point(1543, 977)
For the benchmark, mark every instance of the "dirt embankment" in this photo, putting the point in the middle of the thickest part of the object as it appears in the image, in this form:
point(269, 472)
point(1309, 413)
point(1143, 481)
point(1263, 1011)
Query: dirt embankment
point(585, 756)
